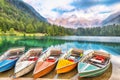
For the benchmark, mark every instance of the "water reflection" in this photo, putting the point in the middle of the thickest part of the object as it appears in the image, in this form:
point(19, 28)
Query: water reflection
point(44, 42)
point(112, 39)
point(95, 46)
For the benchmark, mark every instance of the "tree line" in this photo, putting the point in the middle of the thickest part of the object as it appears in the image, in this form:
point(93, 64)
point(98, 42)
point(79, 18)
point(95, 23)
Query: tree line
point(109, 30)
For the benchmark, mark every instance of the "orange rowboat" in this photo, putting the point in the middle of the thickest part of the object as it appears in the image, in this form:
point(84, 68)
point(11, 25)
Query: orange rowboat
point(46, 62)
point(69, 61)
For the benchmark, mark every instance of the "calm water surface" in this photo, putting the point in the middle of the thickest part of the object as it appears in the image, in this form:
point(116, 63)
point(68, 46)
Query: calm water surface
point(45, 42)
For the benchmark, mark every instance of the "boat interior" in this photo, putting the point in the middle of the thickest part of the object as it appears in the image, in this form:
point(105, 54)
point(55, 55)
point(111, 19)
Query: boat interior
point(15, 53)
point(75, 55)
point(99, 59)
point(54, 55)
point(32, 56)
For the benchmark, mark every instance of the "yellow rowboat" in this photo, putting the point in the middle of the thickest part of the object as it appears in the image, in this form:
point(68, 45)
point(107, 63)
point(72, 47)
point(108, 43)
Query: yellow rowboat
point(69, 60)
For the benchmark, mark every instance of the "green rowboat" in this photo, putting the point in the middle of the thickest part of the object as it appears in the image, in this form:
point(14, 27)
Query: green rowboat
point(93, 64)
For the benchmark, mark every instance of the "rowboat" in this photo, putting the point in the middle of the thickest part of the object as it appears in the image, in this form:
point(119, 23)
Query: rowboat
point(46, 62)
point(9, 58)
point(93, 64)
point(69, 60)
point(27, 62)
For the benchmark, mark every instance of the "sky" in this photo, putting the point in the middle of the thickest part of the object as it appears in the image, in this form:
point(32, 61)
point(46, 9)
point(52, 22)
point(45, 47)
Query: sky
point(88, 9)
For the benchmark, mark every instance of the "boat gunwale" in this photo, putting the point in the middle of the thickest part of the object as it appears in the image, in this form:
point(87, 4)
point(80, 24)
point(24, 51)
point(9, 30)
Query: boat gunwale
point(102, 70)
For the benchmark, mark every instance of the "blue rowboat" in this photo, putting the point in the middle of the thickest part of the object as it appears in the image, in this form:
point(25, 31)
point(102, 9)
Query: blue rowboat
point(7, 64)
point(9, 58)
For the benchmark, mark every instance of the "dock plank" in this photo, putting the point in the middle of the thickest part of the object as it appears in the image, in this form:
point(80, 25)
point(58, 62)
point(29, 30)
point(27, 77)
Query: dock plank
point(30, 79)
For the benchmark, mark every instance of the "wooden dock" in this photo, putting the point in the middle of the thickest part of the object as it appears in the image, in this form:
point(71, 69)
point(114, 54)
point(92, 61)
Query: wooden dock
point(30, 79)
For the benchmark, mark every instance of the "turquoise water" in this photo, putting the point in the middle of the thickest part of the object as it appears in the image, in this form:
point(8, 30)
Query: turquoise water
point(64, 44)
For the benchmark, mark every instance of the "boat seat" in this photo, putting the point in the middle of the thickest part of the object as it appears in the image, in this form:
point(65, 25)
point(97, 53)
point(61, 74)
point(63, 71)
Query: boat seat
point(98, 59)
point(98, 64)
point(12, 57)
point(73, 54)
point(51, 59)
point(94, 60)
point(32, 58)
point(71, 58)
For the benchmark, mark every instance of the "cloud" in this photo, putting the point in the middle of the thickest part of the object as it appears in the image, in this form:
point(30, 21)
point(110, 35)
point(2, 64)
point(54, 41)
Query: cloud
point(47, 7)
point(83, 4)
point(95, 12)
point(88, 9)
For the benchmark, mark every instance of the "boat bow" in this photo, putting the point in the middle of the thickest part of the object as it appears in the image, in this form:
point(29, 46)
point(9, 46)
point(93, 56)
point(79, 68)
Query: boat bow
point(21, 65)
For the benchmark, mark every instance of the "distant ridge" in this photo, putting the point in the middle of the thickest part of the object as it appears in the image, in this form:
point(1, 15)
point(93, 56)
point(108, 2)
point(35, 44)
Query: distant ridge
point(75, 22)
point(112, 19)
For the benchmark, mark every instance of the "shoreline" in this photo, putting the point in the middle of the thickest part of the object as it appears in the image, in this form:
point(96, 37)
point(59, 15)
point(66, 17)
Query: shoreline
point(115, 68)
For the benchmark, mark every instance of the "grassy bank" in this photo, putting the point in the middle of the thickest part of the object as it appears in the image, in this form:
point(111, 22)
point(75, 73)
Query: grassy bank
point(12, 32)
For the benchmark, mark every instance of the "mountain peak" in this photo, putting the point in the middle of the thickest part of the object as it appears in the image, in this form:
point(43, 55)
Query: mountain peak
point(112, 19)
point(75, 22)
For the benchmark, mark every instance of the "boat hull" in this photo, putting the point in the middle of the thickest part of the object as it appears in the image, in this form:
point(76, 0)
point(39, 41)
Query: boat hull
point(25, 70)
point(94, 73)
point(7, 64)
point(66, 68)
point(44, 71)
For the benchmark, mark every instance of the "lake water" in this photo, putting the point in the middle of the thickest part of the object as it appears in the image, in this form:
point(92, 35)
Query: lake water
point(109, 44)
point(111, 39)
